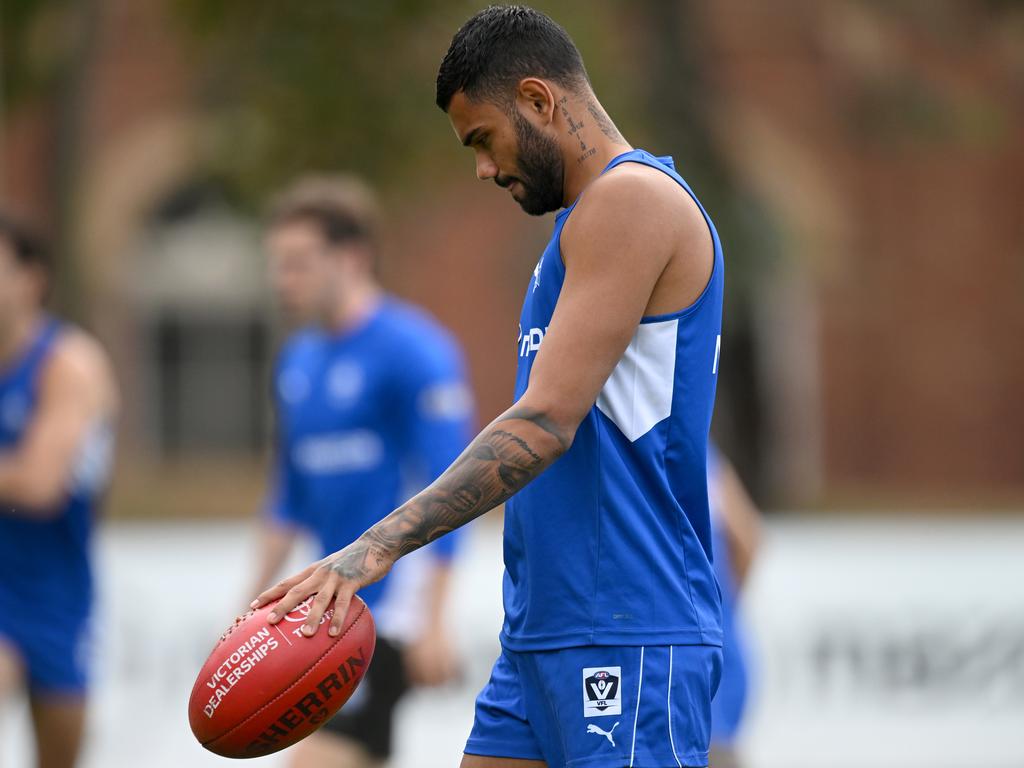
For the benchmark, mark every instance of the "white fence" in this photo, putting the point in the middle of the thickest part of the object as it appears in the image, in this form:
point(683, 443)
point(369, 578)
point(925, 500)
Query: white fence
point(884, 643)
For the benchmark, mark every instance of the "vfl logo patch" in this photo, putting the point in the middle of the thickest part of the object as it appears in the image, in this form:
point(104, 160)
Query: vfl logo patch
point(602, 693)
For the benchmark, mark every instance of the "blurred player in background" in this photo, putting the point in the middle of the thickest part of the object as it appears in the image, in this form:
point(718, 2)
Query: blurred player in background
point(611, 646)
point(372, 404)
point(58, 403)
point(736, 534)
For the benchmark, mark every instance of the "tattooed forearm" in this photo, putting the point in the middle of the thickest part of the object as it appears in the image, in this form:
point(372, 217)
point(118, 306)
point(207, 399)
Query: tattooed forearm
point(361, 558)
point(540, 420)
point(605, 123)
point(506, 456)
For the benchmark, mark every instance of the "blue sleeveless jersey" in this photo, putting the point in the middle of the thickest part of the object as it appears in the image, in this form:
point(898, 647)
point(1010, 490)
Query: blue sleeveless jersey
point(611, 545)
point(44, 562)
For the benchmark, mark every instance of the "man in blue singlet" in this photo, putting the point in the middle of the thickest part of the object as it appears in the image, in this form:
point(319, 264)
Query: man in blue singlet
point(372, 404)
point(735, 533)
point(58, 402)
point(611, 645)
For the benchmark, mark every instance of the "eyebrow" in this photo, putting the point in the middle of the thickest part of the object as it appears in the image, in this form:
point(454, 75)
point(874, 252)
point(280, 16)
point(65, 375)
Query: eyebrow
point(471, 136)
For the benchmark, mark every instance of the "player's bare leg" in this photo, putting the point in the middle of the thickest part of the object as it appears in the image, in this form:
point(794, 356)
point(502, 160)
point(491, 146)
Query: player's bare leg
point(481, 761)
point(326, 750)
point(59, 723)
point(724, 757)
point(12, 675)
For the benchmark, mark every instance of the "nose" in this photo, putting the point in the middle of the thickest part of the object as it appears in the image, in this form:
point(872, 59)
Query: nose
point(486, 168)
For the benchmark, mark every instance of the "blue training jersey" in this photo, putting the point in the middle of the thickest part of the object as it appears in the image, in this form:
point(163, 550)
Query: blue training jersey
point(611, 545)
point(365, 418)
point(44, 559)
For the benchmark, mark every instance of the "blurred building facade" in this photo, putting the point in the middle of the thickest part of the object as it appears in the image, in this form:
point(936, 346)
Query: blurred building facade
point(884, 141)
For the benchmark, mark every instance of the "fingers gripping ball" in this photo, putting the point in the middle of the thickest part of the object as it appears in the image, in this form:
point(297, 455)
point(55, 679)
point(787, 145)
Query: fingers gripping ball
point(267, 686)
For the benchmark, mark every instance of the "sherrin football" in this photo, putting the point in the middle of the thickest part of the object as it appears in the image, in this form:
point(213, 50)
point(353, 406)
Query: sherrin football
point(266, 686)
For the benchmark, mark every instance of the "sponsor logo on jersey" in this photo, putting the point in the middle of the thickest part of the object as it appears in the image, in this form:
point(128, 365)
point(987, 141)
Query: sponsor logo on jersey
point(536, 273)
point(345, 382)
point(602, 694)
point(529, 342)
point(353, 451)
point(449, 401)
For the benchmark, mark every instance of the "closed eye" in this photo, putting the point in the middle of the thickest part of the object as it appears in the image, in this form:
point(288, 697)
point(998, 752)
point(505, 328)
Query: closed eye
point(476, 137)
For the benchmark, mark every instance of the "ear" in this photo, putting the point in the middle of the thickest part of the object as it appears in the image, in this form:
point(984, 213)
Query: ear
point(40, 280)
point(534, 97)
point(353, 257)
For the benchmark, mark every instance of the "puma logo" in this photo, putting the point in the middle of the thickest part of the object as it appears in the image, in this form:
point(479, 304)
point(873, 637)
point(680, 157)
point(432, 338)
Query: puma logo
point(606, 734)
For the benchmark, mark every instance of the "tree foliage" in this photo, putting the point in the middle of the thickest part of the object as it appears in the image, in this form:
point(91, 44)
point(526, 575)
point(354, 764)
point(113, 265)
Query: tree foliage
point(329, 84)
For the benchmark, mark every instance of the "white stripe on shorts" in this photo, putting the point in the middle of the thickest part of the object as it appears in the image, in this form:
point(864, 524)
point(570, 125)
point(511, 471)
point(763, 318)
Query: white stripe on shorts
point(671, 741)
point(639, 687)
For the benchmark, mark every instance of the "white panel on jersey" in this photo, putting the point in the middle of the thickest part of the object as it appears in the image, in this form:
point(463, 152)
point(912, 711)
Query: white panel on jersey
point(638, 394)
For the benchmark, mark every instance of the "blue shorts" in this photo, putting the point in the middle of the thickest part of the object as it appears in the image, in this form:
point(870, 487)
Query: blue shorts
point(55, 655)
point(614, 706)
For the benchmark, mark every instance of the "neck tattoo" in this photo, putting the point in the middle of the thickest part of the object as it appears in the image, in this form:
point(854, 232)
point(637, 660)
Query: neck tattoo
point(574, 131)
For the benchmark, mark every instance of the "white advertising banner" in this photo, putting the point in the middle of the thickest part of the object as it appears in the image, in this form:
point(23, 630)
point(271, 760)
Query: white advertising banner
point(888, 643)
point(876, 642)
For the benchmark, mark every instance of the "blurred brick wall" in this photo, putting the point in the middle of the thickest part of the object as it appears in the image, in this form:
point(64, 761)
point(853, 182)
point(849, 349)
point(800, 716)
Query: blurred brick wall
point(908, 121)
point(467, 255)
point(887, 138)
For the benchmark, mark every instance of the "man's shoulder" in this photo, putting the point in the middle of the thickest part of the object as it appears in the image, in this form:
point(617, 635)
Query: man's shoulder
point(635, 187)
point(300, 346)
point(635, 198)
point(412, 332)
point(78, 362)
point(78, 353)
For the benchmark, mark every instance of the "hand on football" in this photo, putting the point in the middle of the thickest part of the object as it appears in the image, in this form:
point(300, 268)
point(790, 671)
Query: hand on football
point(338, 577)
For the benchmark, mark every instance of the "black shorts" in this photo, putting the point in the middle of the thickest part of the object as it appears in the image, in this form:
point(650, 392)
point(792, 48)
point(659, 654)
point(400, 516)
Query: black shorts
point(368, 717)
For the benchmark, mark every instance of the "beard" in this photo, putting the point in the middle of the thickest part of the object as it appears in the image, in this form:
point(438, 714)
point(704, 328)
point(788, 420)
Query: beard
point(541, 169)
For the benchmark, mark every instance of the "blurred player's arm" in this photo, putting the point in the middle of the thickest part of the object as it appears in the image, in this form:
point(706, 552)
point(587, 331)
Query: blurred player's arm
point(279, 522)
point(430, 659)
point(76, 389)
point(275, 544)
point(612, 267)
point(741, 519)
point(439, 423)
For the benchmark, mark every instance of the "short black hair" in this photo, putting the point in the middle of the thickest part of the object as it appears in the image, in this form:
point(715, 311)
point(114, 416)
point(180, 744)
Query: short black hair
point(500, 46)
point(29, 248)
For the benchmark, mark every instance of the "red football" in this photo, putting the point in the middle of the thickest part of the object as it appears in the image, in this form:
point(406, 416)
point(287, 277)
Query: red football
point(266, 686)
